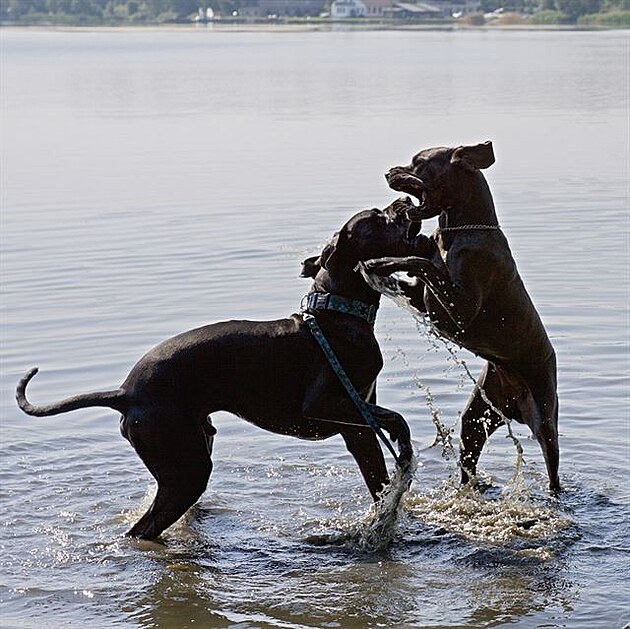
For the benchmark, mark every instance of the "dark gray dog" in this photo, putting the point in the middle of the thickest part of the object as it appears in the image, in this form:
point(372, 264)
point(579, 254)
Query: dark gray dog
point(471, 290)
point(271, 373)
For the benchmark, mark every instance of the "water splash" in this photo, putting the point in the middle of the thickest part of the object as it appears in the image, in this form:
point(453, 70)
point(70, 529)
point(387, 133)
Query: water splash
point(375, 530)
point(378, 531)
point(391, 289)
point(509, 520)
point(444, 433)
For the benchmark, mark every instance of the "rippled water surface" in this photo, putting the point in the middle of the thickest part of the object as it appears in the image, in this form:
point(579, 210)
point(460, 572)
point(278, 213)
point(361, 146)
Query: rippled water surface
point(153, 181)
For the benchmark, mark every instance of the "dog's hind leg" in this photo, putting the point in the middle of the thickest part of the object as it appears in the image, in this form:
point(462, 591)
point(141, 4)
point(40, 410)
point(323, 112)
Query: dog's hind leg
point(543, 422)
point(547, 437)
point(537, 403)
point(479, 419)
point(176, 450)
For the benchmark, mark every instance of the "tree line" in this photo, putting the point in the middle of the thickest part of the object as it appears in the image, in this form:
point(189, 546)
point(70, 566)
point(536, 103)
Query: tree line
point(165, 11)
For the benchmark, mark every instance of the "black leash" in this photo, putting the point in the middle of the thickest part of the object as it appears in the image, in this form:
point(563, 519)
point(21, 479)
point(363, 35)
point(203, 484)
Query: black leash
point(359, 402)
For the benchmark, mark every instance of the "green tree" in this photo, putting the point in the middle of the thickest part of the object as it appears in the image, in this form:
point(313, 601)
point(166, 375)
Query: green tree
point(85, 7)
point(158, 6)
point(14, 9)
point(183, 8)
point(227, 7)
point(575, 8)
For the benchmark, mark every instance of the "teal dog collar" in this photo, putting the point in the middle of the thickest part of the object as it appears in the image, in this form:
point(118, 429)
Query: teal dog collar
point(325, 301)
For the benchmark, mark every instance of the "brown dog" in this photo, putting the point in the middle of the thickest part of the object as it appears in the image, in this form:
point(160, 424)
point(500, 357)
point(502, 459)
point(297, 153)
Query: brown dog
point(271, 373)
point(471, 290)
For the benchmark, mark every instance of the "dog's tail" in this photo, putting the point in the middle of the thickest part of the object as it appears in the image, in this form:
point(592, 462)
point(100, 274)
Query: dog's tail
point(109, 399)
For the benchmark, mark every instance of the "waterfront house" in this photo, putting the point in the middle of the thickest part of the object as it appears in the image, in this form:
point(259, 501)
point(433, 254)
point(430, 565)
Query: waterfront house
point(414, 10)
point(282, 8)
point(344, 9)
point(378, 8)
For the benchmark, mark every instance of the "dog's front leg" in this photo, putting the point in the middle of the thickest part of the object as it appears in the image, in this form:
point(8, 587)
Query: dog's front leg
point(342, 410)
point(363, 445)
point(453, 298)
point(359, 438)
point(362, 441)
point(394, 423)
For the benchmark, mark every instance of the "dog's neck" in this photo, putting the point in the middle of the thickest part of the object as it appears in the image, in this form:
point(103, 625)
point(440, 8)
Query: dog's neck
point(341, 297)
point(472, 206)
point(347, 283)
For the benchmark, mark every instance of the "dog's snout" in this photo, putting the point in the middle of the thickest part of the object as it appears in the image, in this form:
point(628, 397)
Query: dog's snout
point(395, 170)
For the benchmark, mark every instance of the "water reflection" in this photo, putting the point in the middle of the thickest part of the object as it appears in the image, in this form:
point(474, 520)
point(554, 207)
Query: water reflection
point(176, 599)
point(236, 583)
point(512, 595)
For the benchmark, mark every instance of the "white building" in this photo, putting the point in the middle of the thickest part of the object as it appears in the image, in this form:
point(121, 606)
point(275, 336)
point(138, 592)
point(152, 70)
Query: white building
point(344, 9)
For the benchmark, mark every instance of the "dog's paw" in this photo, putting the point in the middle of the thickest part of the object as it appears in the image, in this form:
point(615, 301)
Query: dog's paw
point(380, 266)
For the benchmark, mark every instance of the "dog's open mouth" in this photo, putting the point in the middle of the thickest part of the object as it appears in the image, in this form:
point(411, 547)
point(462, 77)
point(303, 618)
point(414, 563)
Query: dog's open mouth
point(419, 200)
point(402, 180)
point(421, 208)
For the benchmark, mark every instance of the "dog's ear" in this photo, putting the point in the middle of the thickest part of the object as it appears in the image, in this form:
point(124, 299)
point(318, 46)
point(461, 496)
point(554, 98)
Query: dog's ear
point(474, 157)
point(330, 255)
point(311, 266)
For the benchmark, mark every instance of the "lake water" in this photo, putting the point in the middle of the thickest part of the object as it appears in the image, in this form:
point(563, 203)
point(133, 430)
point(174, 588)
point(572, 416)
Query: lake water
point(153, 181)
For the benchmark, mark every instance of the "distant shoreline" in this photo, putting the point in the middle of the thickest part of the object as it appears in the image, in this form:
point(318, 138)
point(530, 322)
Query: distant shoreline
point(304, 27)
